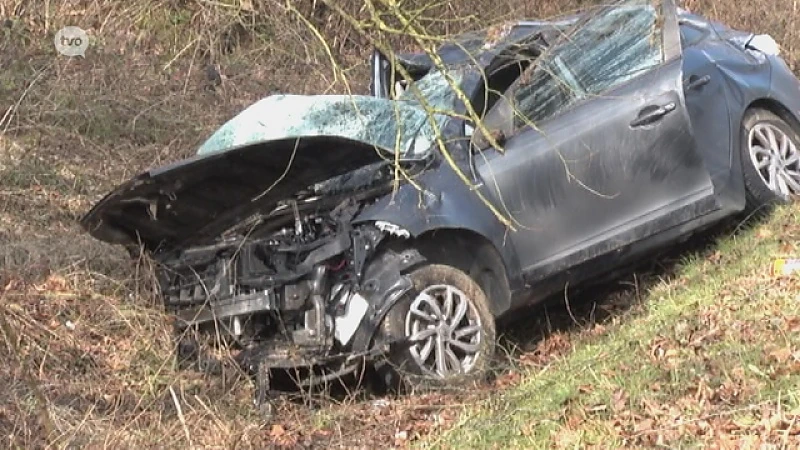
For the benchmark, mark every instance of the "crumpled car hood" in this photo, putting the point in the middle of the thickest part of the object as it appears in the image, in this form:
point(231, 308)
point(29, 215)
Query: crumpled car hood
point(273, 149)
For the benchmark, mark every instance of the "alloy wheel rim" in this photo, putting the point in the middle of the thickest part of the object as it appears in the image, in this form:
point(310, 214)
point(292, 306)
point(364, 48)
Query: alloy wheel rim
point(444, 330)
point(775, 157)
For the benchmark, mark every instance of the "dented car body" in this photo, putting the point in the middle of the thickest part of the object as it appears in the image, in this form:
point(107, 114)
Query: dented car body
point(321, 232)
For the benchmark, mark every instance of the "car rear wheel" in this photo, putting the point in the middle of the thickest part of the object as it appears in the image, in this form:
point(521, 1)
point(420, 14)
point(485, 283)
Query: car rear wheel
point(442, 332)
point(770, 159)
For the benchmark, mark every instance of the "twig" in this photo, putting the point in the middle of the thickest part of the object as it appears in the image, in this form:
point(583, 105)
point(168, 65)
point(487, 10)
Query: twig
point(180, 416)
point(179, 54)
point(13, 108)
point(569, 310)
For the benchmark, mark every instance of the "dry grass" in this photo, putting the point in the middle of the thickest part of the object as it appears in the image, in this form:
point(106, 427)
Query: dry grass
point(707, 357)
point(90, 359)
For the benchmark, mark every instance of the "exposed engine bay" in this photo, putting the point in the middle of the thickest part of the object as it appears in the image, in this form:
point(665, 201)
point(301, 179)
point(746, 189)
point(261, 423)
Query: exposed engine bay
point(286, 288)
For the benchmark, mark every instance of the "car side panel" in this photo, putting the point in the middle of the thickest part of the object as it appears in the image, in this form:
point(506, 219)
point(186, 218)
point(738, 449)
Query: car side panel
point(745, 78)
point(705, 92)
point(446, 202)
point(784, 86)
point(586, 178)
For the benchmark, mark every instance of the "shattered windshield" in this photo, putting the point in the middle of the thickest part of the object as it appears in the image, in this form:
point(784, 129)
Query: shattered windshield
point(402, 126)
point(435, 90)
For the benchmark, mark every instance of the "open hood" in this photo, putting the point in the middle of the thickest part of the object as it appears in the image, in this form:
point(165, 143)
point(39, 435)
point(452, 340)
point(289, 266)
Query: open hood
point(270, 151)
point(195, 200)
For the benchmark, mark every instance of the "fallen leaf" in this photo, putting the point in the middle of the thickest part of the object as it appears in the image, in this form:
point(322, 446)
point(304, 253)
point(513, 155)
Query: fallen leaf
point(508, 379)
point(619, 400)
point(598, 330)
point(715, 257)
point(644, 425)
point(781, 355)
point(763, 233)
point(277, 430)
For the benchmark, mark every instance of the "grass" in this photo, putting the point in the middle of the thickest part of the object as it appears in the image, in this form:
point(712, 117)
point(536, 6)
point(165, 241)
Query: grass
point(711, 354)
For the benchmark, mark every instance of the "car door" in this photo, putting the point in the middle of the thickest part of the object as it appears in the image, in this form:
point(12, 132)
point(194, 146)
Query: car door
point(598, 149)
point(706, 102)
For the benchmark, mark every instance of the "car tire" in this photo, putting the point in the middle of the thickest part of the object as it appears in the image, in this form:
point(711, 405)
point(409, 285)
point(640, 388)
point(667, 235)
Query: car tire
point(429, 352)
point(770, 155)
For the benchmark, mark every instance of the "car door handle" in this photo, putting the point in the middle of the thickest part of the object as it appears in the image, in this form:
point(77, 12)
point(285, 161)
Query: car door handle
point(653, 113)
point(694, 82)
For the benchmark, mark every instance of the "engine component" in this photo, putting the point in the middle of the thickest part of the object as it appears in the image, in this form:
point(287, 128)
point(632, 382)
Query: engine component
point(287, 291)
point(235, 306)
point(346, 324)
point(295, 296)
point(392, 229)
point(315, 332)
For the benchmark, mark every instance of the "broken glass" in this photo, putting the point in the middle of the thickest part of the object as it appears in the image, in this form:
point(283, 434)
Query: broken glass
point(405, 125)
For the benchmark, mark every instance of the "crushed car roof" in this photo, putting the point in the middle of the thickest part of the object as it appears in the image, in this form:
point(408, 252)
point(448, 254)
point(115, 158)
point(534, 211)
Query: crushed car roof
point(483, 46)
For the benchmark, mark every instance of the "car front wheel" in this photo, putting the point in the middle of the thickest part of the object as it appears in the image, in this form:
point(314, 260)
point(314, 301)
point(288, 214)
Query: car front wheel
point(442, 332)
point(770, 159)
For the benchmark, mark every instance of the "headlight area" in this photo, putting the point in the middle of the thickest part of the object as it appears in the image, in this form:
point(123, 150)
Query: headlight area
point(285, 294)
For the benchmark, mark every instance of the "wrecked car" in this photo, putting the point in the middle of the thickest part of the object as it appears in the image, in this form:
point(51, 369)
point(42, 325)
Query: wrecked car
point(323, 233)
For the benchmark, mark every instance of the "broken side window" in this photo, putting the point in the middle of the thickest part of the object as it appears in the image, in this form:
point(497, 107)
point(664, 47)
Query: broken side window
point(612, 46)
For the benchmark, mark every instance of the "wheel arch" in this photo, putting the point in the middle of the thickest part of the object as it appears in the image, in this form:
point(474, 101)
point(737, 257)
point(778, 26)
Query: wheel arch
point(737, 189)
point(472, 253)
point(400, 252)
point(774, 106)
point(445, 208)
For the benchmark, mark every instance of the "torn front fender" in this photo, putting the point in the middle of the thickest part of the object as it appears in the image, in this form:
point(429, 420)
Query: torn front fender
point(445, 202)
point(383, 285)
